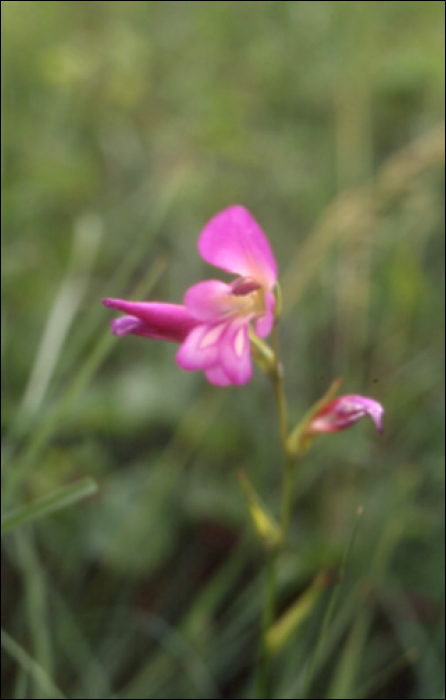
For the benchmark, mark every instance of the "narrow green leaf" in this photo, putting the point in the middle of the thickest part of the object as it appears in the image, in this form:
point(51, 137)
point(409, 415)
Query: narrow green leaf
point(66, 496)
point(264, 524)
point(279, 634)
point(30, 666)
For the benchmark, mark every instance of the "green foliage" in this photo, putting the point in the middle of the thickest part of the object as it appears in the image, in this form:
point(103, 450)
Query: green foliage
point(125, 127)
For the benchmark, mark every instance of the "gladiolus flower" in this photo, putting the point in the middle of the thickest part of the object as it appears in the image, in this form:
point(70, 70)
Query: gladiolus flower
point(213, 324)
point(343, 412)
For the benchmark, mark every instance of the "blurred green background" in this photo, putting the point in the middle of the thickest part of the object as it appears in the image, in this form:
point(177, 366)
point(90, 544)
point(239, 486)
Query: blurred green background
point(125, 127)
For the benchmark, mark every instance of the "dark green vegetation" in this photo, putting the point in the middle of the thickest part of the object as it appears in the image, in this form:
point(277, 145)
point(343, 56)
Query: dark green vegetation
point(126, 126)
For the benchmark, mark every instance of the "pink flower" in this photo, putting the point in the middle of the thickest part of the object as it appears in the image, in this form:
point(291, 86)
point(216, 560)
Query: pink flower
point(343, 412)
point(213, 324)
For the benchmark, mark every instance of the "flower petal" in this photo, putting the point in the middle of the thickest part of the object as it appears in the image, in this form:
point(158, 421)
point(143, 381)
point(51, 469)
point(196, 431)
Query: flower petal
point(129, 324)
point(234, 241)
point(207, 301)
point(201, 350)
point(215, 375)
point(264, 325)
point(235, 353)
point(163, 321)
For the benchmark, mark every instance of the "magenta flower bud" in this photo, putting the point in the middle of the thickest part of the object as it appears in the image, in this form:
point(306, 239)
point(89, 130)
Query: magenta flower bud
point(343, 412)
point(152, 320)
point(213, 324)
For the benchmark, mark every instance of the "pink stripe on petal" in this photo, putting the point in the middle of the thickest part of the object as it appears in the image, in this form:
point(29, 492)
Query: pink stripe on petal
point(200, 350)
point(234, 241)
point(128, 324)
point(209, 300)
point(235, 353)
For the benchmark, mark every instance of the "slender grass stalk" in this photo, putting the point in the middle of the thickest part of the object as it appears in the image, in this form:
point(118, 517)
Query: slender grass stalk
point(263, 689)
point(331, 605)
point(61, 498)
point(46, 428)
point(21, 656)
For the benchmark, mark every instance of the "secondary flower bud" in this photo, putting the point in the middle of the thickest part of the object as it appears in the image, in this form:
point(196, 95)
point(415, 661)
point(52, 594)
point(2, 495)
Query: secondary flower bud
point(330, 415)
point(343, 412)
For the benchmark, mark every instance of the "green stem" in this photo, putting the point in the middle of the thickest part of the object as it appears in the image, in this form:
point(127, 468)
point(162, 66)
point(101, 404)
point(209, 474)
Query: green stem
point(279, 392)
point(288, 467)
point(287, 497)
point(263, 689)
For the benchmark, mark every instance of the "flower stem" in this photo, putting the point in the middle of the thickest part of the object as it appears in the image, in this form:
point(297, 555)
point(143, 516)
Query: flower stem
point(277, 379)
point(263, 689)
point(287, 497)
point(288, 470)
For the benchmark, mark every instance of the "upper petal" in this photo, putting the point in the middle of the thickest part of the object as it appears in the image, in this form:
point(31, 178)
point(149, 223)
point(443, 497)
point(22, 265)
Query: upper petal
point(207, 301)
point(163, 321)
point(234, 241)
